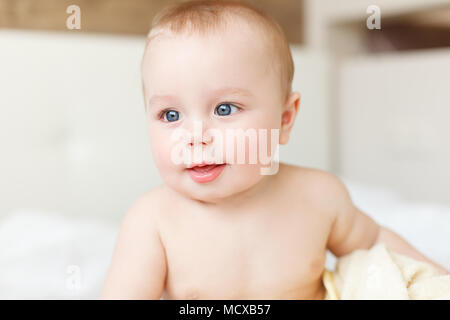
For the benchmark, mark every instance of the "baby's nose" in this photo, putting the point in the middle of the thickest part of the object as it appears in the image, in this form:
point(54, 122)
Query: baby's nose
point(202, 138)
point(199, 134)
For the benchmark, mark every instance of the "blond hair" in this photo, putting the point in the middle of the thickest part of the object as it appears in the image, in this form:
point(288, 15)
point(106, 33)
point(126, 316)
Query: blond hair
point(206, 16)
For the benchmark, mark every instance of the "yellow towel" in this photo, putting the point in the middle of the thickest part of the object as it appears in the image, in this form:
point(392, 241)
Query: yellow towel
point(331, 292)
point(380, 273)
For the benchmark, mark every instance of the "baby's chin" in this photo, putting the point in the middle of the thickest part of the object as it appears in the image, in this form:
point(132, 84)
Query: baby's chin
point(232, 181)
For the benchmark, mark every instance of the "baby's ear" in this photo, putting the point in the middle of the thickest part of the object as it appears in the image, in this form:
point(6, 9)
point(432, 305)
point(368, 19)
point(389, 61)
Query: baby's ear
point(290, 110)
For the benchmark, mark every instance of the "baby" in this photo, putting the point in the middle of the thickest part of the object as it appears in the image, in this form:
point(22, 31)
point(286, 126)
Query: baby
point(230, 229)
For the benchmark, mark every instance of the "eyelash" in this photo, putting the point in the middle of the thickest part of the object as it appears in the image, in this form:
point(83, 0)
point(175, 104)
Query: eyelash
point(231, 104)
point(163, 112)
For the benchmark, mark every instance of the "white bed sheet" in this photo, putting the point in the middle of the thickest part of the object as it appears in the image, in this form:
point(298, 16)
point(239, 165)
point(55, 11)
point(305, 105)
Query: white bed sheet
point(37, 249)
point(48, 256)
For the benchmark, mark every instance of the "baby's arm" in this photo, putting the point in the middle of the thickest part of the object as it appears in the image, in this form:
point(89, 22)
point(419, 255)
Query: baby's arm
point(400, 245)
point(138, 266)
point(353, 229)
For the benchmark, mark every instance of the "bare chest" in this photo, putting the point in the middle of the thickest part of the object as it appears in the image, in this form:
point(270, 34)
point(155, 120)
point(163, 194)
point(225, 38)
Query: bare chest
point(274, 256)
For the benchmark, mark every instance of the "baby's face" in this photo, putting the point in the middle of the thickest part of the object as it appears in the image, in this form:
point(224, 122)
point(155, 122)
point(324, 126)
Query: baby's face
point(223, 81)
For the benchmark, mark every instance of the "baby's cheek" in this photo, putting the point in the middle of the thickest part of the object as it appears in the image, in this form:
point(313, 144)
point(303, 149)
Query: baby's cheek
point(242, 177)
point(161, 151)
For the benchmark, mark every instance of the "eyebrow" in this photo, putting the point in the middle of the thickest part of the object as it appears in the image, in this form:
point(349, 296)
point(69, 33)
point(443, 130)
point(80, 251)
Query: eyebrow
point(161, 97)
point(218, 92)
point(232, 90)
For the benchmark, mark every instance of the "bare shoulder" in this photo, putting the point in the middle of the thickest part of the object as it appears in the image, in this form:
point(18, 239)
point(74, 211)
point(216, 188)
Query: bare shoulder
point(315, 180)
point(147, 208)
point(138, 266)
point(316, 186)
point(349, 228)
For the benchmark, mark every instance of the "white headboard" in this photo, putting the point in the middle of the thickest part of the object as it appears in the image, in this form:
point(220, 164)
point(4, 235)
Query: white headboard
point(72, 124)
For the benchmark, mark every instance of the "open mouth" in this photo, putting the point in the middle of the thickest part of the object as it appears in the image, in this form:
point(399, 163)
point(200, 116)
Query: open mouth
point(203, 173)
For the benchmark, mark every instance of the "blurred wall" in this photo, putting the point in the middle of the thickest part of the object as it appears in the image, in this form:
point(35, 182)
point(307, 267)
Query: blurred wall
point(387, 110)
point(393, 122)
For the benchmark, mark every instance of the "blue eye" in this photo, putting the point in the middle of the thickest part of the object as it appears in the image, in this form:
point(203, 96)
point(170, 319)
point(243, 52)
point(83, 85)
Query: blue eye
point(171, 115)
point(226, 109)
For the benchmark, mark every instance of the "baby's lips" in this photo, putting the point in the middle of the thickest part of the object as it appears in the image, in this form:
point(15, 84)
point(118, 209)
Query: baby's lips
point(202, 164)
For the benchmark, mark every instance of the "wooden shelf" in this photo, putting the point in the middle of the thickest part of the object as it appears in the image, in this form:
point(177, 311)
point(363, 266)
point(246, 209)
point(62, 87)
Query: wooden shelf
point(125, 16)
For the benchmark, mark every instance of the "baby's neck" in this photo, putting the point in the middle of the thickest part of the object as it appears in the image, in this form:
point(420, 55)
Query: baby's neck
point(244, 197)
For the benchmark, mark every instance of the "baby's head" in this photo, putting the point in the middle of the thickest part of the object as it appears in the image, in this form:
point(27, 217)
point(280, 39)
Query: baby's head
point(225, 66)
